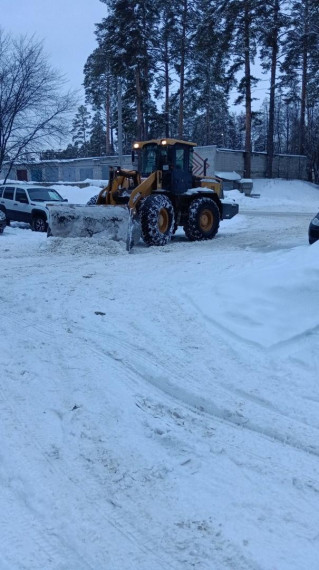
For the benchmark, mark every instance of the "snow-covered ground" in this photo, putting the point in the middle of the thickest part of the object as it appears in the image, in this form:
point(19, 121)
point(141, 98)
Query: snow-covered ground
point(160, 409)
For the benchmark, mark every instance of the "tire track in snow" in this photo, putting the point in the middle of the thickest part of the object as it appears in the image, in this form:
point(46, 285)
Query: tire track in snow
point(130, 362)
point(31, 539)
point(121, 362)
point(200, 404)
point(131, 374)
point(233, 552)
point(116, 517)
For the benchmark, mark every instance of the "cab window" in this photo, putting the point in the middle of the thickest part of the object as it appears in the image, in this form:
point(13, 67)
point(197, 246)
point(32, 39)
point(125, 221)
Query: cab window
point(149, 154)
point(21, 196)
point(8, 193)
point(163, 157)
point(1, 192)
point(180, 157)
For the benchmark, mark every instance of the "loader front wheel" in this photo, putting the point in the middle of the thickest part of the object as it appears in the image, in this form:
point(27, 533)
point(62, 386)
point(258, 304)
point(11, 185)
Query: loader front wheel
point(157, 220)
point(203, 219)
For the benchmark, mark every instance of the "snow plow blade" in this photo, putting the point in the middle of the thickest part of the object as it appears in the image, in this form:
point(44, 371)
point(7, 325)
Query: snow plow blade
point(112, 222)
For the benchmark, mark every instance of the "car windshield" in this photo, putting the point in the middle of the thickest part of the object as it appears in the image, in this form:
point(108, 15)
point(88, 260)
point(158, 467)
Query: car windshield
point(44, 195)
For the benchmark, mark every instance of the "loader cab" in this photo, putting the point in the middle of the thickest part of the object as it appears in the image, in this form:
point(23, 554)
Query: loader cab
point(173, 157)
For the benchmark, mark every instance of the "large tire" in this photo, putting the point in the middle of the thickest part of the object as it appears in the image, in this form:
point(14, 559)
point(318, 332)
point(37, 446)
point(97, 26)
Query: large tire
point(39, 224)
point(3, 211)
point(2, 221)
point(157, 220)
point(203, 219)
point(92, 201)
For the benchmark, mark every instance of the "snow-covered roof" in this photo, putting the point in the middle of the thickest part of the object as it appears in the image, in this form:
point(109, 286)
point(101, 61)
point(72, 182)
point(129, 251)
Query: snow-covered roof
point(228, 175)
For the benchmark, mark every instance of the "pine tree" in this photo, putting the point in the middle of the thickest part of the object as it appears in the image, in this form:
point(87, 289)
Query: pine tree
point(97, 135)
point(206, 85)
point(240, 22)
point(100, 90)
point(129, 32)
point(186, 15)
point(80, 130)
point(301, 62)
point(164, 52)
point(273, 24)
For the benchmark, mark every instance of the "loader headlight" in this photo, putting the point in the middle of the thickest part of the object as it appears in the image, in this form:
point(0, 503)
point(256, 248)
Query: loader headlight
point(136, 145)
point(164, 141)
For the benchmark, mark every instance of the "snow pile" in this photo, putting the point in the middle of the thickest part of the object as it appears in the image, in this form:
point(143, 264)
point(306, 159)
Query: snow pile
point(270, 302)
point(290, 195)
point(75, 194)
point(97, 245)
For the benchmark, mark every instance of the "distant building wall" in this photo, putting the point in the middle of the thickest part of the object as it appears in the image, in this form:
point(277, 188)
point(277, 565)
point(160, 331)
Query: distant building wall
point(284, 165)
point(225, 160)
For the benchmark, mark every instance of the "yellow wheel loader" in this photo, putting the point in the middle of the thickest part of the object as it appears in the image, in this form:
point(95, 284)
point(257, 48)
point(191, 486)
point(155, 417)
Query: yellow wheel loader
point(151, 201)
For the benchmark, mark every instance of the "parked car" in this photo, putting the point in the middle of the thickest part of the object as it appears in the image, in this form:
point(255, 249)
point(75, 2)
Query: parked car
point(28, 203)
point(313, 231)
point(3, 222)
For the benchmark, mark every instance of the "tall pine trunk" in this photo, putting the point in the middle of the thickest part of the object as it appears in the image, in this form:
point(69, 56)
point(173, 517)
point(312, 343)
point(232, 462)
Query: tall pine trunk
point(247, 154)
point(273, 71)
point(208, 105)
point(139, 108)
point(108, 116)
point(182, 72)
point(166, 80)
point(304, 81)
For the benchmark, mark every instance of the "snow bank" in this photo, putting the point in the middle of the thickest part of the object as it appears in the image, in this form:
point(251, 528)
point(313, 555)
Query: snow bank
point(97, 245)
point(290, 195)
point(271, 302)
point(75, 194)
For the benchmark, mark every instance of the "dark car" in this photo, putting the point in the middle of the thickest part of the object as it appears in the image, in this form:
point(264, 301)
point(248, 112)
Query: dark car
point(3, 222)
point(313, 231)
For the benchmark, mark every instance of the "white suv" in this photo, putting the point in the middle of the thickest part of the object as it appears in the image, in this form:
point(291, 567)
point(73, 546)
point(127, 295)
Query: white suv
point(28, 203)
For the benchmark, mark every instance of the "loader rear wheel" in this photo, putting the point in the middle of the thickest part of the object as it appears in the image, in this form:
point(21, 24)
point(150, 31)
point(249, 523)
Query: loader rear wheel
point(203, 219)
point(157, 220)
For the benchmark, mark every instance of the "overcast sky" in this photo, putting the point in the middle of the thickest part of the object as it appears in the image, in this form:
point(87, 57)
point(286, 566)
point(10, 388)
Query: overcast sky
point(65, 26)
point(67, 30)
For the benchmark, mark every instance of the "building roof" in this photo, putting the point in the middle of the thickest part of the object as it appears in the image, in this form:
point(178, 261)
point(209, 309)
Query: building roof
point(228, 175)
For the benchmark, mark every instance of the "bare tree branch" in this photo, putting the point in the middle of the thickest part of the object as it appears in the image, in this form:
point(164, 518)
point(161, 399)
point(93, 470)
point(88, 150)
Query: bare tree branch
point(33, 108)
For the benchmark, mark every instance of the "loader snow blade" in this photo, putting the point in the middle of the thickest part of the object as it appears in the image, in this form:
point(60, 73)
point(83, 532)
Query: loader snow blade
point(78, 220)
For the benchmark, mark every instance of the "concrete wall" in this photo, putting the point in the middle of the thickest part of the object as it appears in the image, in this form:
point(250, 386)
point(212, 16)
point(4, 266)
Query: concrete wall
point(218, 160)
point(225, 160)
